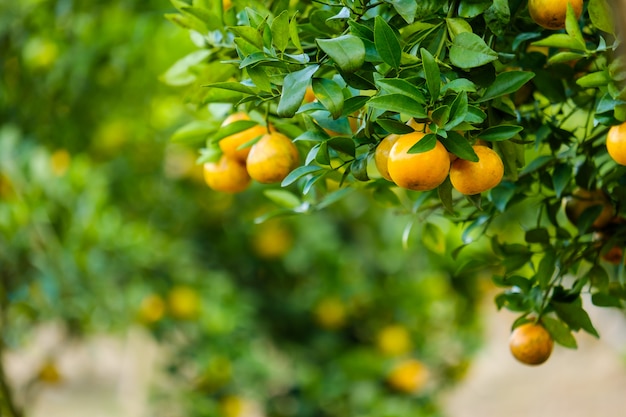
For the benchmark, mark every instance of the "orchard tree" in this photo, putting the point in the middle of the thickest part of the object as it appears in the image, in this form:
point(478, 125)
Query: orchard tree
point(504, 117)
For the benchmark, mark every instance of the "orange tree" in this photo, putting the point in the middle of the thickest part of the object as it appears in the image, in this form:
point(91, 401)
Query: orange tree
point(447, 76)
point(100, 231)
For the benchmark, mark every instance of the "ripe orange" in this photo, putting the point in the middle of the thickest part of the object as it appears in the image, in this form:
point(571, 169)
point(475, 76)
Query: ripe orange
point(381, 155)
point(409, 376)
point(531, 344)
point(230, 144)
point(226, 175)
point(417, 171)
point(272, 158)
point(476, 177)
point(582, 199)
point(551, 14)
point(616, 143)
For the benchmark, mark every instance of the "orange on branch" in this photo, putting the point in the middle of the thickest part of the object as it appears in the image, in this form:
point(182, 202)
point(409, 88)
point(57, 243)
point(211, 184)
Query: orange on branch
point(381, 155)
point(616, 143)
point(409, 376)
point(417, 171)
point(476, 177)
point(231, 145)
point(531, 344)
point(272, 158)
point(551, 14)
point(226, 175)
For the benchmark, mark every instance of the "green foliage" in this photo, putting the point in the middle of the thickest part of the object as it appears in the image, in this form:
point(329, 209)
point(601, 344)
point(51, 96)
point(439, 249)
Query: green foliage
point(467, 70)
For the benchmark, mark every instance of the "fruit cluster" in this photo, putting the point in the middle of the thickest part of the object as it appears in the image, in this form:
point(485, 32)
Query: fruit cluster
point(258, 153)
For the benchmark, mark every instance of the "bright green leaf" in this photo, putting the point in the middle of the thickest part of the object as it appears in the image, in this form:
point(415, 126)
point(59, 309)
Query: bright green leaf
point(470, 51)
point(347, 51)
point(387, 43)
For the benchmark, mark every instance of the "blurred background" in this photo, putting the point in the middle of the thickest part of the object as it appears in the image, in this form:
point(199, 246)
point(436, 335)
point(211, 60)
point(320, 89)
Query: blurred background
point(128, 288)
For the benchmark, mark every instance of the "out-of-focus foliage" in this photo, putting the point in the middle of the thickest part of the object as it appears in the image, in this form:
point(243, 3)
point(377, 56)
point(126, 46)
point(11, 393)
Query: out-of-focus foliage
point(104, 225)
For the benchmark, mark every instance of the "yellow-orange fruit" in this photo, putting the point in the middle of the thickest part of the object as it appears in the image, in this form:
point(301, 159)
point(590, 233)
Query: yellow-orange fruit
point(272, 158)
point(381, 155)
point(409, 376)
point(417, 171)
point(531, 344)
point(230, 145)
point(616, 143)
point(551, 14)
point(226, 175)
point(476, 177)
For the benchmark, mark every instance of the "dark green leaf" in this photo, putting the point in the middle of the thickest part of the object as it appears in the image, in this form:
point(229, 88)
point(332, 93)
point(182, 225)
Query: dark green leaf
point(401, 86)
point(432, 74)
point(347, 51)
point(499, 133)
point(294, 88)
point(444, 191)
point(394, 126)
point(329, 93)
point(506, 83)
point(458, 111)
point(406, 9)
point(470, 51)
point(280, 31)
point(458, 145)
point(547, 265)
point(399, 104)
point(342, 144)
point(387, 43)
point(498, 16)
point(561, 178)
point(605, 300)
point(358, 168)
point(299, 173)
point(575, 317)
point(559, 332)
point(538, 235)
point(425, 144)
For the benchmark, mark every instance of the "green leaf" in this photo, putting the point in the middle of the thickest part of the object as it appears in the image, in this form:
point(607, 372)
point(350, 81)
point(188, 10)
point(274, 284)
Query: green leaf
point(472, 8)
point(605, 300)
point(294, 88)
point(298, 173)
point(547, 265)
point(594, 79)
point(559, 332)
point(347, 51)
point(561, 178)
point(565, 57)
point(401, 86)
point(498, 16)
point(181, 72)
point(432, 74)
point(283, 198)
point(248, 33)
point(601, 15)
point(394, 126)
point(232, 128)
point(398, 103)
point(330, 94)
point(571, 25)
point(342, 144)
point(387, 43)
point(358, 168)
point(458, 111)
point(405, 8)
point(470, 51)
point(425, 144)
point(561, 40)
point(234, 86)
point(506, 83)
point(280, 31)
point(459, 146)
point(499, 133)
point(575, 317)
point(195, 132)
point(293, 32)
point(457, 25)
